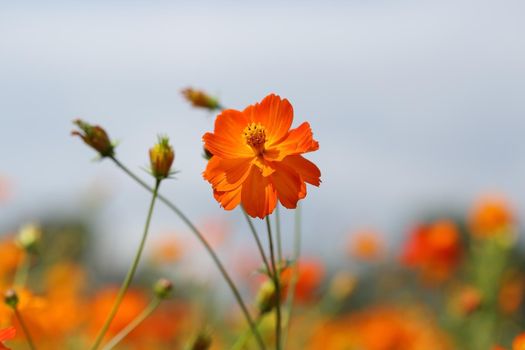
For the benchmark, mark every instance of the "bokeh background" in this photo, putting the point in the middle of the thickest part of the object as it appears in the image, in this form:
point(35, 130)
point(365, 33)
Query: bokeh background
point(418, 107)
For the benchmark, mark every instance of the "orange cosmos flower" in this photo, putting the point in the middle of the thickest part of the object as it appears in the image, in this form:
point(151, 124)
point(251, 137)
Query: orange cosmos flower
point(491, 216)
point(435, 249)
point(366, 245)
point(257, 158)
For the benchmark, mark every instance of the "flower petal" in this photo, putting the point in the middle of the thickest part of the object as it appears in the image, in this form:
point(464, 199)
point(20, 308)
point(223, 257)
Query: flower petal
point(275, 114)
point(289, 185)
point(308, 171)
point(298, 140)
point(258, 196)
point(229, 199)
point(226, 148)
point(227, 140)
point(226, 174)
point(7, 333)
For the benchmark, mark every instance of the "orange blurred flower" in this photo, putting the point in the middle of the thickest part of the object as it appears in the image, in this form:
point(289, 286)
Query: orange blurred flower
point(519, 342)
point(435, 249)
point(66, 307)
point(167, 250)
point(310, 274)
point(366, 245)
point(380, 328)
point(11, 255)
point(491, 216)
point(257, 158)
point(468, 300)
point(6, 334)
point(133, 303)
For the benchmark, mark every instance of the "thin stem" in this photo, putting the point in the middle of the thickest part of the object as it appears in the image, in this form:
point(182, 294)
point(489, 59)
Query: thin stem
point(22, 271)
point(277, 284)
point(295, 274)
point(278, 232)
point(243, 339)
point(206, 245)
point(20, 319)
point(258, 241)
point(131, 272)
point(133, 324)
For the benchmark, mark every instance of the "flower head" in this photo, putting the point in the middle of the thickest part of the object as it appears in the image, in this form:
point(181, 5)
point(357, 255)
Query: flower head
point(96, 137)
point(201, 99)
point(491, 216)
point(161, 158)
point(434, 249)
point(258, 160)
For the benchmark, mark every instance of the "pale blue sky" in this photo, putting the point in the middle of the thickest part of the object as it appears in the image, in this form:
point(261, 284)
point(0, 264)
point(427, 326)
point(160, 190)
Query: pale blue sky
point(414, 103)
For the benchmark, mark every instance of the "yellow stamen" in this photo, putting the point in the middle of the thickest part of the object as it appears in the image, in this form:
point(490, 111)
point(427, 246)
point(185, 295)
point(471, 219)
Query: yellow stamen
point(255, 136)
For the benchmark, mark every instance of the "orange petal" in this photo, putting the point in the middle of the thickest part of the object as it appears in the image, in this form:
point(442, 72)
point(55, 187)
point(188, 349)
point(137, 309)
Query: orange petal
point(7, 333)
point(308, 171)
point(230, 124)
point(226, 148)
point(229, 199)
point(289, 185)
point(258, 196)
point(299, 140)
point(275, 114)
point(226, 174)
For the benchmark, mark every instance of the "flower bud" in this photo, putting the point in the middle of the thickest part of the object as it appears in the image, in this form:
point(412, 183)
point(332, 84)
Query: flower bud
point(201, 99)
point(266, 297)
point(202, 341)
point(163, 288)
point(161, 157)
point(94, 136)
point(11, 298)
point(29, 238)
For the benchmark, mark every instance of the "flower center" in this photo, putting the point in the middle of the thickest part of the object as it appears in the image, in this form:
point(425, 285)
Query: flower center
point(255, 136)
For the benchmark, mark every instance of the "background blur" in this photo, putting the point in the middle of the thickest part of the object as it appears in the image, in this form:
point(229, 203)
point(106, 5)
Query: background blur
point(416, 105)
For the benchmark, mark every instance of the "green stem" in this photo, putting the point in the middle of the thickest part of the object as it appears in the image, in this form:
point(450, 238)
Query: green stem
point(278, 233)
point(20, 319)
point(206, 245)
point(295, 274)
point(258, 241)
point(243, 339)
point(22, 271)
point(133, 324)
point(277, 284)
point(130, 274)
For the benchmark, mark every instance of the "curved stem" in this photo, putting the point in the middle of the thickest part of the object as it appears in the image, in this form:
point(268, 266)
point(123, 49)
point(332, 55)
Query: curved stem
point(24, 328)
point(277, 284)
point(295, 274)
point(240, 343)
point(133, 324)
point(258, 241)
point(130, 274)
point(278, 233)
point(206, 245)
point(22, 270)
